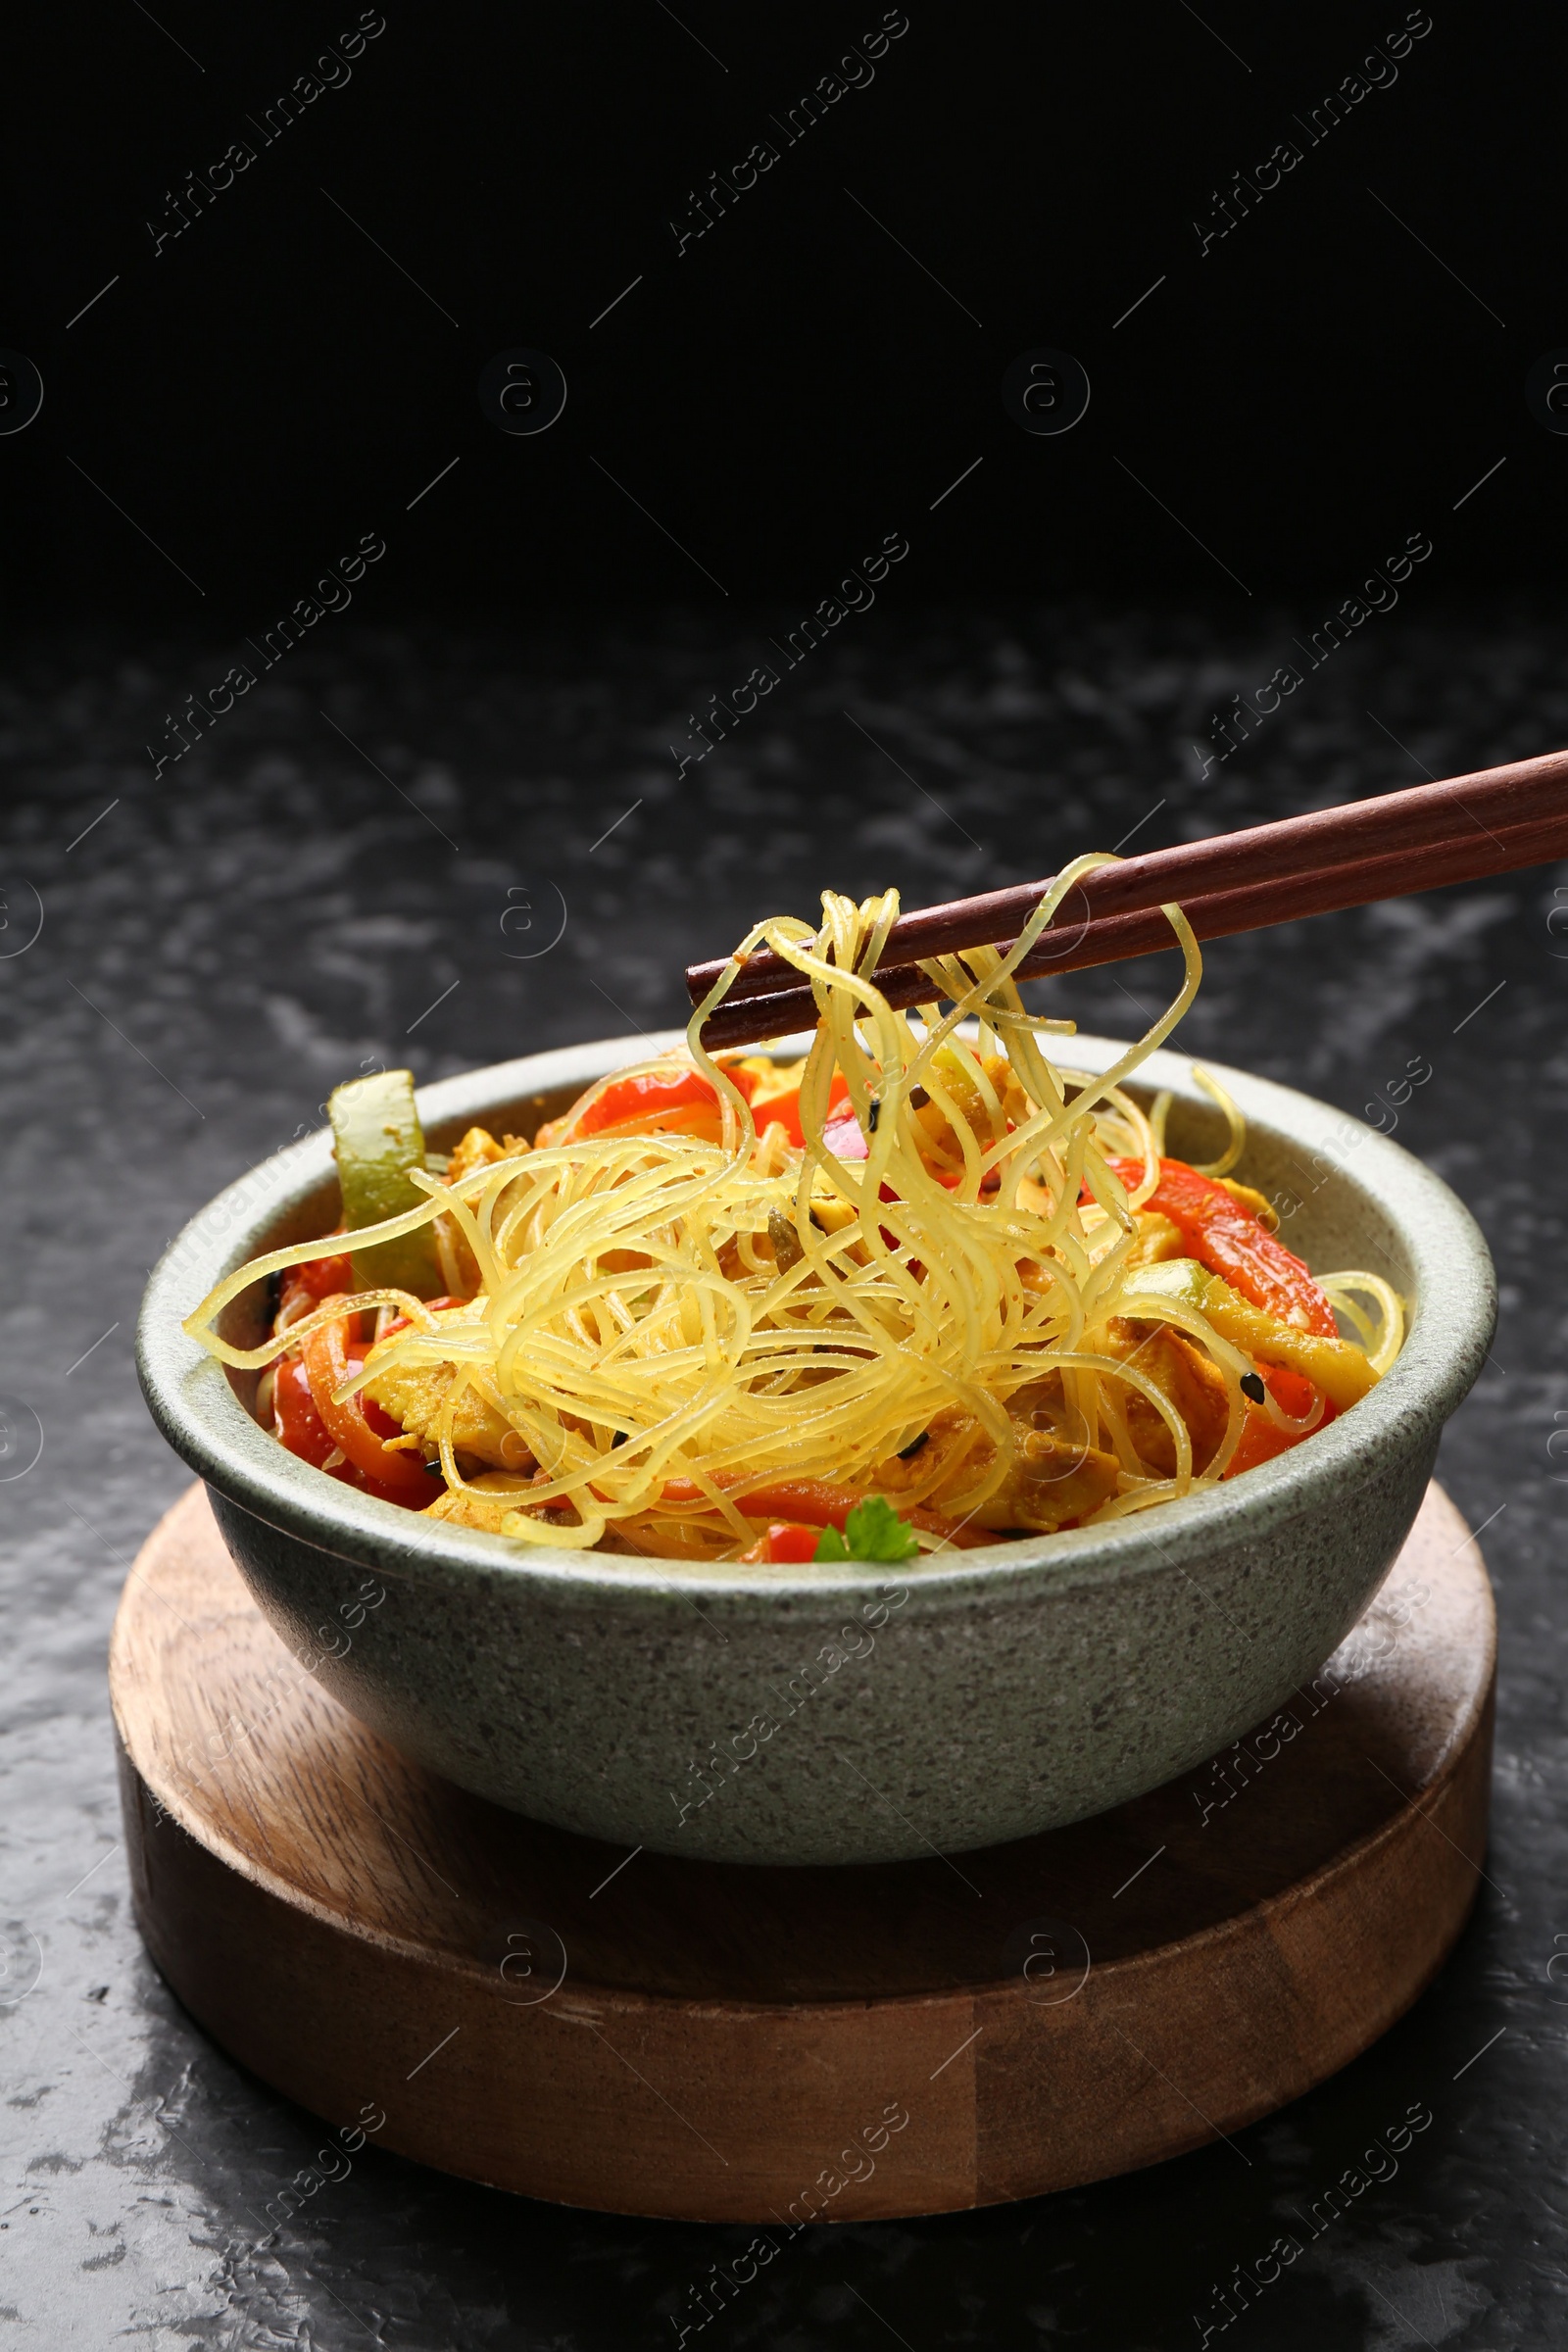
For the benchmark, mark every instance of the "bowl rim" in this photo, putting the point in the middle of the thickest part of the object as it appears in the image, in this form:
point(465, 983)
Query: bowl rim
point(197, 1410)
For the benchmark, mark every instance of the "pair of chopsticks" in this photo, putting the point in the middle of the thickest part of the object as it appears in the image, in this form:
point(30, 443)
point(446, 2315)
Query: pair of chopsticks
point(1383, 847)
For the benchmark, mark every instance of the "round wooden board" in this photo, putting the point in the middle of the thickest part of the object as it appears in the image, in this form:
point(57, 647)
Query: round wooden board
point(657, 2036)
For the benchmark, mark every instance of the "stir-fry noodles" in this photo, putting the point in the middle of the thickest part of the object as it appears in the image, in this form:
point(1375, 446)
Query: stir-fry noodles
point(929, 1286)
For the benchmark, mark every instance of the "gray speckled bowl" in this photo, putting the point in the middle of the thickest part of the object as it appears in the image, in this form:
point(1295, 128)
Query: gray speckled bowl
point(777, 1715)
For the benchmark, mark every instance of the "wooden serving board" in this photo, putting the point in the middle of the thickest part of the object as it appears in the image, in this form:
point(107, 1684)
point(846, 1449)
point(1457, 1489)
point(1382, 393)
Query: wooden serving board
point(670, 2038)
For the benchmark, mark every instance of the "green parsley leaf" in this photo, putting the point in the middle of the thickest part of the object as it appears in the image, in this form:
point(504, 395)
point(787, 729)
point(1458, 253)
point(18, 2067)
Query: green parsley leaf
point(875, 1532)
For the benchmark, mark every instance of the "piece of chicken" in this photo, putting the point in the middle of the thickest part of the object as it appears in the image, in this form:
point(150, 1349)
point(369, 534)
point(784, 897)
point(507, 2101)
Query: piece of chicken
point(479, 1148)
point(1195, 1385)
point(1157, 1238)
point(485, 1509)
point(415, 1397)
point(1053, 1481)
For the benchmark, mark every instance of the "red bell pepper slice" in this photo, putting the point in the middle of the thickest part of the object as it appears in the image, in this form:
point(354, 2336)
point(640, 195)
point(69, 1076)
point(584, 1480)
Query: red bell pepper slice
point(1261, 1440)
point(300, 1427)
point(1231, 1241)
point(788, 1539)
point(318, 1279)
point(816, 1502)
point(650, 1097)
point(784, 1110)
point(653, 1101)
point(397, 1477)
point(298, 1422)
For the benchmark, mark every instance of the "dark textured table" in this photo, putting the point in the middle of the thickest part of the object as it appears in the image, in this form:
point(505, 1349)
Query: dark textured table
point(368, 860)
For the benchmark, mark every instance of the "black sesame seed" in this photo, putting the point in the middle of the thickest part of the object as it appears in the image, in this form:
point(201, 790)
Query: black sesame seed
point(919, 1099)
point(873, 1115)
point(1253, 1386)
point(907, 1454)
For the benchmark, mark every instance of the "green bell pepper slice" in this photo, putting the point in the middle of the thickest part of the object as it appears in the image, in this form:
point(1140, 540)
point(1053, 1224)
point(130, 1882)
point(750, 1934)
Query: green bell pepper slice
point(1341, 1371)
point(377, 1139)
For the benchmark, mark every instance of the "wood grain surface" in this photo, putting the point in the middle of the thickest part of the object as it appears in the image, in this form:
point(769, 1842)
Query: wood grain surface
point(668, 2038)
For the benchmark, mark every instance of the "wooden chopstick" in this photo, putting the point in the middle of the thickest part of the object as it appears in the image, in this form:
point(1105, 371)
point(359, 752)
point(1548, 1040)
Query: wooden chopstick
point(1213, 914)
point(1427, 820)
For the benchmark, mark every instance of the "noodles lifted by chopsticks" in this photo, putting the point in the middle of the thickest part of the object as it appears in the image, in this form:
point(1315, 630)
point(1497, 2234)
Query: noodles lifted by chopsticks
point(950, 1273)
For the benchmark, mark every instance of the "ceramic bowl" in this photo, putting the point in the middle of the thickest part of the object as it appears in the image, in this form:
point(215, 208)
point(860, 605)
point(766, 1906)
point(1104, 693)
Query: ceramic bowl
point(839, 1715)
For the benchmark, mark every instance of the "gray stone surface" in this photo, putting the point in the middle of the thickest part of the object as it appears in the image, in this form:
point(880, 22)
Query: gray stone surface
point(220, 948)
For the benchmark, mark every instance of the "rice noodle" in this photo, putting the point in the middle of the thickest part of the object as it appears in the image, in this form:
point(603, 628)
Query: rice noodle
point(634, 1328)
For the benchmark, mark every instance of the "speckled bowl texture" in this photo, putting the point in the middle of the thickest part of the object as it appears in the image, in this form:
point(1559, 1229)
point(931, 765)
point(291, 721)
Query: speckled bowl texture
point(780, 1715)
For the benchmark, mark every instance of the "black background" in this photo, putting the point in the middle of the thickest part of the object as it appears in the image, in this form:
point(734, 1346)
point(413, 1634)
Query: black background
point(331, 874)
point(793, 384)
